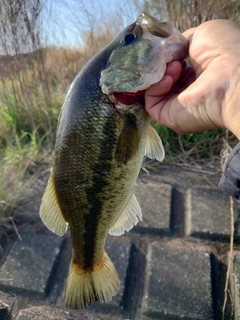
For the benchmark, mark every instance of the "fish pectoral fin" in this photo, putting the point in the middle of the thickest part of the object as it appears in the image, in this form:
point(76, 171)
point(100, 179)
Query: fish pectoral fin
point(128, 218)
point(50, 211)
point(127, 145)
point(154, 148)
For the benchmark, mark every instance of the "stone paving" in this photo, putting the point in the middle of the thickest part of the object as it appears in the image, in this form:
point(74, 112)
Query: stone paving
point(172, 265)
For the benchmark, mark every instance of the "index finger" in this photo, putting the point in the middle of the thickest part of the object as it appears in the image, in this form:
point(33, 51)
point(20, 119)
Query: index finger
point(188, 33)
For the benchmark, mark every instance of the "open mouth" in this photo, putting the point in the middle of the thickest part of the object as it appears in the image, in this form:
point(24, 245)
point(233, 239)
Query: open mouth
point(129, 98)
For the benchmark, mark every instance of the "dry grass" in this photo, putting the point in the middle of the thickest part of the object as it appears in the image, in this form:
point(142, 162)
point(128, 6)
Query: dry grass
point(185, 14)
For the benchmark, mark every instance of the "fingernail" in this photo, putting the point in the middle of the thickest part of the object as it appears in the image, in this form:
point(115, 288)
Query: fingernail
point(170, 64)
point(165, 78)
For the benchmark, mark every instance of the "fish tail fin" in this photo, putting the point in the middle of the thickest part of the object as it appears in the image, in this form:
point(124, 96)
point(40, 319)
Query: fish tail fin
point(86, 286)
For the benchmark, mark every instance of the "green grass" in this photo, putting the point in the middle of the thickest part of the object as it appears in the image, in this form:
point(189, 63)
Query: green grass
point(205, 144)
point(27, 132)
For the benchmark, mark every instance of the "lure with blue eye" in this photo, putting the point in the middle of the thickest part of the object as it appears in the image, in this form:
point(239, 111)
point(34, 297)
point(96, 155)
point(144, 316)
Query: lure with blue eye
point(129, 38)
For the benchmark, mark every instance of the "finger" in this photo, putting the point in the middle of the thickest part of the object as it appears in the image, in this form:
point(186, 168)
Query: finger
point(158, 89)
point(170, 113)
point(160, 111)
point(172, 74)
point(174, 70)
point(186, 78)
point(189, 33)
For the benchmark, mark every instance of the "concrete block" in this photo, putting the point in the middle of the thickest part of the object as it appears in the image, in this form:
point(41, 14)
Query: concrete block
point(4, 311)
point(52, 313)
point(43, 313)
point(155, 202)
point(11, 303)
point(208, 214)
point(28, 266)
point(179, 283)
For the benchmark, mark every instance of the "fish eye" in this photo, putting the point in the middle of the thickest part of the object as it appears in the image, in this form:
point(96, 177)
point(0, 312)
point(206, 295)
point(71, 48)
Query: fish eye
point(129, 38)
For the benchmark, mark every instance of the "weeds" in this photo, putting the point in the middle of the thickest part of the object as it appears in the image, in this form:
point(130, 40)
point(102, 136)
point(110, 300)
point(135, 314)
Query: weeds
point(198, 145)
point(27, 131)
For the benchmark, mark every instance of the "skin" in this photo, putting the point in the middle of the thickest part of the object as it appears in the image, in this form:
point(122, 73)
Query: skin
point(205, 95)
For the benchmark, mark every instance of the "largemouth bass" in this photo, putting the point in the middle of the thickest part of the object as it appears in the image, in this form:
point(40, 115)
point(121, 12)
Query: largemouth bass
point(102, 137)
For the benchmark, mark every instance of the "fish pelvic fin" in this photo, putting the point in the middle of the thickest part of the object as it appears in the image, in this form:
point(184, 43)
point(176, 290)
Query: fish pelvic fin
point(154, 148)
point(87, 286)
point(50, 211)
point(128, 218)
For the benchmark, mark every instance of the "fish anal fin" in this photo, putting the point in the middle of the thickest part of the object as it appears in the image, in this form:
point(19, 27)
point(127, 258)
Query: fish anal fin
point(154, 148)
point(87, 286)
point(50, 211)
point(128, 218)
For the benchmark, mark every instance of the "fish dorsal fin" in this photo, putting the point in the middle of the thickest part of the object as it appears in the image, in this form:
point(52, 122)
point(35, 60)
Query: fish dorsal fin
point(50, 211)
point(154, 148)
point(128, 218)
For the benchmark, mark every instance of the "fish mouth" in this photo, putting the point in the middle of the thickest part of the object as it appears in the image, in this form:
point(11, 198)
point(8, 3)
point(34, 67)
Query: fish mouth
point(129, 98)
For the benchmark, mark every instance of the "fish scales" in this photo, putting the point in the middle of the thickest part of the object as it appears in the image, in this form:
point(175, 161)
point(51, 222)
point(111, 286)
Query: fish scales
point(92, 190)
point(103, 134)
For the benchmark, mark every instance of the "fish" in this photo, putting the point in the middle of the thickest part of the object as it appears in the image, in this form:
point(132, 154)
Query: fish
point(102, 137)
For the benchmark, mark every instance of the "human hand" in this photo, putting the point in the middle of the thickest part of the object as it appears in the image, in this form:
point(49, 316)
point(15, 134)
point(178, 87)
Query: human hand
point(207, 94)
